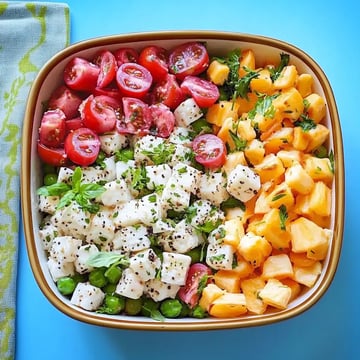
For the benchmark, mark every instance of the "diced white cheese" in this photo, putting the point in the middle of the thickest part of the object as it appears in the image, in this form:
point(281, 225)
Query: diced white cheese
point(112, 142)
point(87, 296)
point(149, 209)
point(48, 204)
point(203, 211)
point(102, 227)
point(174, 268)
point(130, 285)
point(158, 175)
point(95, 174)
point(144, 145)
point(145, 264)
point(64, 175)
point(60, 269)
point(116, 192)
point(180, 135)
point(47, 234)
point(219, 256)
point(183, 154)
point(131, 238)
point(187, 112)
point(127, 214)
point(82, 255)
point(174, 197)
point(158, 290)
point(212, 187)
point(63, 248)
point(186, 176)
point(122, 167)
point(243, 183)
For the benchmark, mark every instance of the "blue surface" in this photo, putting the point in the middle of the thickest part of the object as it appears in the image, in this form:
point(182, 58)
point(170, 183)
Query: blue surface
point(330, 329)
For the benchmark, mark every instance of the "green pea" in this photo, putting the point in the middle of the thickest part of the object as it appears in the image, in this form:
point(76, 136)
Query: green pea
point(97, 277)
point(66, 285)
point(148, 306)
point(133, 306)
point(198, 312)
point(50, 179)
point(171, 308)
point(113, 274)
point(113, 304)
point(109, 288)
point(185, 310)
point(79, 277)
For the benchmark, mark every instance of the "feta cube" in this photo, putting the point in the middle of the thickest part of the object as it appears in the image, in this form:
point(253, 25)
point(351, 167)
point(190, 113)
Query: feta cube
point(174, 268)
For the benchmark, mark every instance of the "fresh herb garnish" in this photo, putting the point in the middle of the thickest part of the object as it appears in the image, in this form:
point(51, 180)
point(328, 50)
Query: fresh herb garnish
point(107, 259)
point(283, 217)
point(264, 106)
point(305, 123)
point(124, 155)
point(161, 154)
point(284, 61)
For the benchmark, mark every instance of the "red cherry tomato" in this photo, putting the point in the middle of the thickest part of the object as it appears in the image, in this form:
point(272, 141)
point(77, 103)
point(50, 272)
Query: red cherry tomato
point(155, 59)
point(137, 119)
point(108, 66)
point(52, 156)
point(81, 74)
point(188, 59)
point(108, 91)
point(168, 92)
point(133, 80)
point(204, 92)
point(126, 55)
point(163, 119)
point(73, 124)
point(210, 151)
point(82, 146)
point(100, 113)
point(52, 128)
point(66, 100)
point(189, 293)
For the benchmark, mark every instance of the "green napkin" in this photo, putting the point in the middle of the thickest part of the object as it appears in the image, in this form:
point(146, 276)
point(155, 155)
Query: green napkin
point(30, 33)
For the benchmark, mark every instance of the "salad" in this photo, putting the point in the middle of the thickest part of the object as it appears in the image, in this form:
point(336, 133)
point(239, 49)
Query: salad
point(178, 183)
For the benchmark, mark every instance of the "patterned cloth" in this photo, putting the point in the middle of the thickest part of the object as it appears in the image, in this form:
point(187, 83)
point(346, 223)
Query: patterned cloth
point(30, 33)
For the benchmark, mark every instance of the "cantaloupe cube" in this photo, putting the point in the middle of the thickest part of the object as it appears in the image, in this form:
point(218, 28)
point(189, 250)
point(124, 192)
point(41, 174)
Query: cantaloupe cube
point(275, 294)
point(255, 151)
point(236, 212)
point(294, 286)
point(242, 267)
point(244, 105)
point(307, 275)
point(245, 129)
point(279, 140)
point(247, 61)
point(270, 168)
point(210, 293)
point(250, 288)
point(266, 124)
point(300, 259)
point(261, 204)
point(220, 111)
point(306, 236)
point(233, 159)
point(253, 248)
point(316, 108)
point(320, 199)
point(301, 139)
point(217, 72)
point(305, 84)
point(228, 280)
point(298, 179)
point(227, 130)
point(317, 137)
point(289, 157)
point(287, 77)
point(263, 83)
point(234, 230)
point(319, 168)
point(289, 104)
point(277, 266)
point(229, 305)
point(281, 195)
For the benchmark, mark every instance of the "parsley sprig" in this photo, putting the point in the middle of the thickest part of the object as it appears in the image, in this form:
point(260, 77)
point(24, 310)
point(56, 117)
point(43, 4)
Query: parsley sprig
point(284, 61)
point(161, 154)
point(82, 193)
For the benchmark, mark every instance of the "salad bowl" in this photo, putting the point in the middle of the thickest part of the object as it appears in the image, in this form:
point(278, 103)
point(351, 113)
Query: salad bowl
point(266, 50)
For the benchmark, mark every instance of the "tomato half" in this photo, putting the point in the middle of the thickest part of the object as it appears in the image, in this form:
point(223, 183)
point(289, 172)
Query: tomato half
point(108, 66)
point(188, 59)
point(73, 124)
point(52, 156)
point(100, 113)
point(163, 119)
point(82, 146)
point(168, 92)
point(81, 74)
point(126, 55)
point(66, 100)
point(155, 59)
point(133, 80)
point(210, 150)
point(189, 293)
point(204, 92)
point(52, 128)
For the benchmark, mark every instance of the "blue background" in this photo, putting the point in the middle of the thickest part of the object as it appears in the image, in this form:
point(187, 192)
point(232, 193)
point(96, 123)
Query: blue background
point(330, 329)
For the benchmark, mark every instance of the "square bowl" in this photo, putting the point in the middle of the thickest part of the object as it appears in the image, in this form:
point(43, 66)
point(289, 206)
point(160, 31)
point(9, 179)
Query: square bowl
point(218, 43)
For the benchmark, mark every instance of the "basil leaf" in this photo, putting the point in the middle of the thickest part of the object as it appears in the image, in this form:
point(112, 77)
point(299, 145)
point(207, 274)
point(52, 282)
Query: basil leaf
point(106, 259)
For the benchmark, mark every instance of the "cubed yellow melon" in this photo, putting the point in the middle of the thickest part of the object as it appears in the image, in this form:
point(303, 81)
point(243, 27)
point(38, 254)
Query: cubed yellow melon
point(319, 169)
point(254, 151)
point(254, 249)
point(287, 77)
point(298, 179)
point(220, 111)
point(236, 212)
point(316, 107)
point(234, 230)
point(227, 131)
point(294, 286)
point(300, 259)
point(250, 288)
point(304, 84)
point(281, 195)
point(217, 72)
point(263, 83)
point(301, 139)
point(242, 267)
point(228, 305)
point(270, 168)
point(244, 105)
point(317, 137)
point(233, 159)
point(266, 124)
point(306, 236)
point(247, 61)
point(210, 293)
point(227, 280)
point(245, 129)
point(289, 157)
point(277, 266)
point(279, 140)
point(307, 275)
point(275, 294)
point(320, 199)
point(289, 104)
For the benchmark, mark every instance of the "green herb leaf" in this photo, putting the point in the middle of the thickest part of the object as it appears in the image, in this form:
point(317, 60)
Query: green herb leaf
point(283, 217)
point(202, 284)
point(284, 61)
point(124, 155)
point(232, 202)
point(305, 123)
point(106, 259)
point(264, 106)
point(161, 154)
point(56, 189)
point(239, 143)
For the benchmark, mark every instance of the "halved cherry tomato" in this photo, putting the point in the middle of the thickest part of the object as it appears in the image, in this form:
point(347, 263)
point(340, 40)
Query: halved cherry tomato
point(52, 128)
point(81, 74)
point(189, 293)
point(168, 92)
point(126, 55)
point(108, 66)
point(108, 91)
point(210, 150)
point(204, 92)
point(137, 119)
point(82, 146)
point(155, 59)
point(163, 119)
point(66, 100)
point(133, 80)
point(188, 59)
point(73, 124)
point(100, 113)
point(52, 156)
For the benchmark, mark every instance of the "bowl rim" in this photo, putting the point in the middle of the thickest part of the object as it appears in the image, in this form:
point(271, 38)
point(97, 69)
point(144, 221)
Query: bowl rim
point(108, 321)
